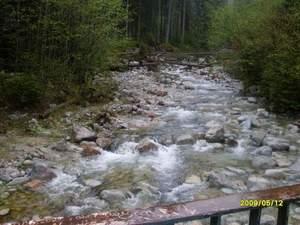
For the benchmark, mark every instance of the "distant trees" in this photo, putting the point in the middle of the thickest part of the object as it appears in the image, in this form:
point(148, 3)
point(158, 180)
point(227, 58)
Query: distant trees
point(171, 21)
point(265, 38)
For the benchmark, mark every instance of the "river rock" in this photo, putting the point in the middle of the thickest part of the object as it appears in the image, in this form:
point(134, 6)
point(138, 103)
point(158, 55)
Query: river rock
point(215, 134)
point(19, 180)
point(267, 220)
point(252, 100)
point(220, 180)
point(262, 113)
point(104, 143)
point(293, 129)
point(92, 183)
point(277, 144)
point(83, 134)
point(64, 146)
point(257, 183)
point(185, 139)
point(276, 173)
point(257, 138)
point(4, 212)
point(89, 151)
point(113, 196)
point(282, 161)
point(146, 145)
point(34, 184)
point(27, 162)
point(193, 179)
point(264, 150)
point(41, 172)
point(296, 166)
point(262, 162)
point(9, 173)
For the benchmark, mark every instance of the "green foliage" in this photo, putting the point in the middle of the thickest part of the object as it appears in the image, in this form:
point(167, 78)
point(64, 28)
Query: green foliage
point(19, 90)
point(60, 43)
point(264, 36)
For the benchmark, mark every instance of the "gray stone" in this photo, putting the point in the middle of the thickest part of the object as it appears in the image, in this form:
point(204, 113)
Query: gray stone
point(146, 145)
point(293, 129)
point(215, 134)
point(104, 143)
point(4, 195)
point(252, 100)
point(92, 183)
point(41, 172)
point(264, 150)
point(4, 212)
point(257, 183)
point(83, 134)
point(28, 162)
point(113, 196)
point(262, 162)
point(257, 138)
point(19, 180)
point(194, 179)
point(267, 220)
point(185, 139)
point(64, 146)
point(9, 173)
point(262, 113)
point(277, 144)
point(296, 166)
point(276, 173)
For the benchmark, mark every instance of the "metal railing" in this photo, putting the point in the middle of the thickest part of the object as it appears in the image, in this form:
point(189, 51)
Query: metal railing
point(189, 211)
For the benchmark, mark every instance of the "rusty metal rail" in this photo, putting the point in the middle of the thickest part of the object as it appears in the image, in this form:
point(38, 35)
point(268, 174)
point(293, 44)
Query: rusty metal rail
point(172, 214)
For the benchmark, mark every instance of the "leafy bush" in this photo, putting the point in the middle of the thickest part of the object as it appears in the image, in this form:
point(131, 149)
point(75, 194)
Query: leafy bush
point(20, 90)
point(265, 38)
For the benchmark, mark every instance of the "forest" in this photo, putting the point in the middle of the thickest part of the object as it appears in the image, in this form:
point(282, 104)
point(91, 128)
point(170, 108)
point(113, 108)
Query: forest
point(50, 45)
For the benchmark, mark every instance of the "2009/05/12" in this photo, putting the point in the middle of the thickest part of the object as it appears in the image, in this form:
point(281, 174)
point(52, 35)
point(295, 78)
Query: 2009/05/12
point(258, 203)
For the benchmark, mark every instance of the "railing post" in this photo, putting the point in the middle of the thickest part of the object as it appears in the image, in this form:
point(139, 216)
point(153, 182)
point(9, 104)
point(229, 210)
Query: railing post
point(283, 214)
point(215, 220)
point(254, 218)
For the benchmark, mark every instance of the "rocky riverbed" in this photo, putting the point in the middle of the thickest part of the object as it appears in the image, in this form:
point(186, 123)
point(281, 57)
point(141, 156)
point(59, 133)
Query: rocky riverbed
point(175, 135)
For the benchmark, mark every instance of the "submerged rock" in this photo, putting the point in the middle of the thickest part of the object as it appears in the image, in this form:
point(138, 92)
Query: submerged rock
point(146, 145)
point(34, 184)
point(257, 183)
point(83, 134)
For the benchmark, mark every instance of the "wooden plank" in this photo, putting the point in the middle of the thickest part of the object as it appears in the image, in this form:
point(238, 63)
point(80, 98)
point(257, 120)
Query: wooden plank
point(178, 212)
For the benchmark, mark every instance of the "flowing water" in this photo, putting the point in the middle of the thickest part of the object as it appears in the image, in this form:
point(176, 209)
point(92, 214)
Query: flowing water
point(176, 172)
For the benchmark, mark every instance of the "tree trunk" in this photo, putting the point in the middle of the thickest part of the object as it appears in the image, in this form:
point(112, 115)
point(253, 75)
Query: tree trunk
point(183, 21)
point(169, 21)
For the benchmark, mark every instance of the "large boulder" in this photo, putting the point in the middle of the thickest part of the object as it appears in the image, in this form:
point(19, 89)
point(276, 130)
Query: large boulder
point(146, 145)
point(83, 134)
point(277, 144)
point(215, 133)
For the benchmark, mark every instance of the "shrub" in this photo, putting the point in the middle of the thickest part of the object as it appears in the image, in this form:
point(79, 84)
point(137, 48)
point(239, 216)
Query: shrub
point(20, 90)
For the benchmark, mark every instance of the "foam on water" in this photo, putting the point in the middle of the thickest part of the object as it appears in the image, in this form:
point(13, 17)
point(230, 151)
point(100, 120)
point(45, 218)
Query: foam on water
point(180, 114)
